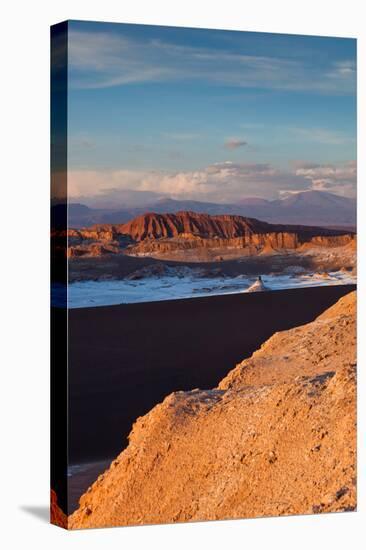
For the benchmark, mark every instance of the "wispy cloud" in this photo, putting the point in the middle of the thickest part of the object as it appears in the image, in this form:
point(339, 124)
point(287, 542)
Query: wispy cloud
point(307, 134)
point(235, 143)
point(101, 59)
point(181, 136)
point(343, 69)
point(321, 135)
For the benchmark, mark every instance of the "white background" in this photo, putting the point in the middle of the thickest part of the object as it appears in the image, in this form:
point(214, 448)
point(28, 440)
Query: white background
point(24, 401)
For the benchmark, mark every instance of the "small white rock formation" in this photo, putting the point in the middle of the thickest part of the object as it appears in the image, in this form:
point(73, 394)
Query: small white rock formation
point(258, 286)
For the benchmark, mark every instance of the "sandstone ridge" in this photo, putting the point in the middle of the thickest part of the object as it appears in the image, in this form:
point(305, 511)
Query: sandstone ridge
point(276, 437)
point(187, 224)
point(167, 234)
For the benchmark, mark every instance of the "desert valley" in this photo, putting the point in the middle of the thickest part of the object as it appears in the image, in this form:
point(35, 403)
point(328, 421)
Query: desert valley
point(204, 275)
point(183, 254)
point(217, 286)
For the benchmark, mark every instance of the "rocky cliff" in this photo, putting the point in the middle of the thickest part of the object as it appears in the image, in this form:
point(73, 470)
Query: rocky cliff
point(166, 234)
point(249, 245)
point(191, 224)
point(276, 437)
point(185, 224)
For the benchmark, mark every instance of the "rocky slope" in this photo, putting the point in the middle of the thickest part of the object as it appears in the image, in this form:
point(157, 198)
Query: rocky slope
point(157, 226)
point(307, 207)
point(187, 224)
point(276, 437)
point(212, 249)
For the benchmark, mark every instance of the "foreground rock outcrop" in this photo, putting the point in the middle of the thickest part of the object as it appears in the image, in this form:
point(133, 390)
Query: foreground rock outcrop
point(276, 437)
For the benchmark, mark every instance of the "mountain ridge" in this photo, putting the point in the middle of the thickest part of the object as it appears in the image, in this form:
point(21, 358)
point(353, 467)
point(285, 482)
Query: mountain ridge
point(152, 225)
point(307, 208)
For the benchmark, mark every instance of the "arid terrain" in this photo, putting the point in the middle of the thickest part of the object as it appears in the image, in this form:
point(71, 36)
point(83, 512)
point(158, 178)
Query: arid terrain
point(175, 236)
point(218, 245)
point(275, 437)
point(203, 274)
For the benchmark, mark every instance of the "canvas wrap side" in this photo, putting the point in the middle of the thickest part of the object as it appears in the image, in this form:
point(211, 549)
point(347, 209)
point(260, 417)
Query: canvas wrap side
point(59, 315)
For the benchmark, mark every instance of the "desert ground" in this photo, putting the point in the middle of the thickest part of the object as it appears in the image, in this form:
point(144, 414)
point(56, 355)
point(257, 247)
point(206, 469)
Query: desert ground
point(221, 245)
point(124, 362)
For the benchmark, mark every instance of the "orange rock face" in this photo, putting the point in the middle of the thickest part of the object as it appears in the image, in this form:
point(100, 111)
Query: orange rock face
point(92, 250)
point(157, 226)
point(276, 437)
point(166, 233)
point(249, 245)
point(185, 224)
point(57, 516)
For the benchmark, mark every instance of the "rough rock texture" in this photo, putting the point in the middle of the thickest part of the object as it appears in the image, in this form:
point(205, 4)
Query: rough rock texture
point(167, 234)
point(276, 437)
point(251, 245)
point(188, 224)
point(93, 249)
point(57, 516)
point(159, 234)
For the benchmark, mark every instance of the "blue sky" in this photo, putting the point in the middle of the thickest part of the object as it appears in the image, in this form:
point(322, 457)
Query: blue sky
point(207, 114)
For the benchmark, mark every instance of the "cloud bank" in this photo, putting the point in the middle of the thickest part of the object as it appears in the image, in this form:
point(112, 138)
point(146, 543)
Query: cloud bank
point(222, 182)
point(338, 179)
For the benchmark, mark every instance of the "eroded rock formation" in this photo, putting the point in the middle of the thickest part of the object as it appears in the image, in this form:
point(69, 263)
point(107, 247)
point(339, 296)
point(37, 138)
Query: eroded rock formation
point(276, 437)
point(166, 234)
point(191, 224)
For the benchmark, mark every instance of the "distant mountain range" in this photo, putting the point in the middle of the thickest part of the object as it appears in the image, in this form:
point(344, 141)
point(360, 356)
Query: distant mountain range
point(306, 208)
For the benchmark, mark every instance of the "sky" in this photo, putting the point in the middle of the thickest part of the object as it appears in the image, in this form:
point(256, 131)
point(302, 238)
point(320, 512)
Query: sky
point(209, 115)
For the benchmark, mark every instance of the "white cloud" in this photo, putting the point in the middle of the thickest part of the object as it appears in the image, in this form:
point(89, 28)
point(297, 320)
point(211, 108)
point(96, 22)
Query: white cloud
point(340, 179)
point(219, 182)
